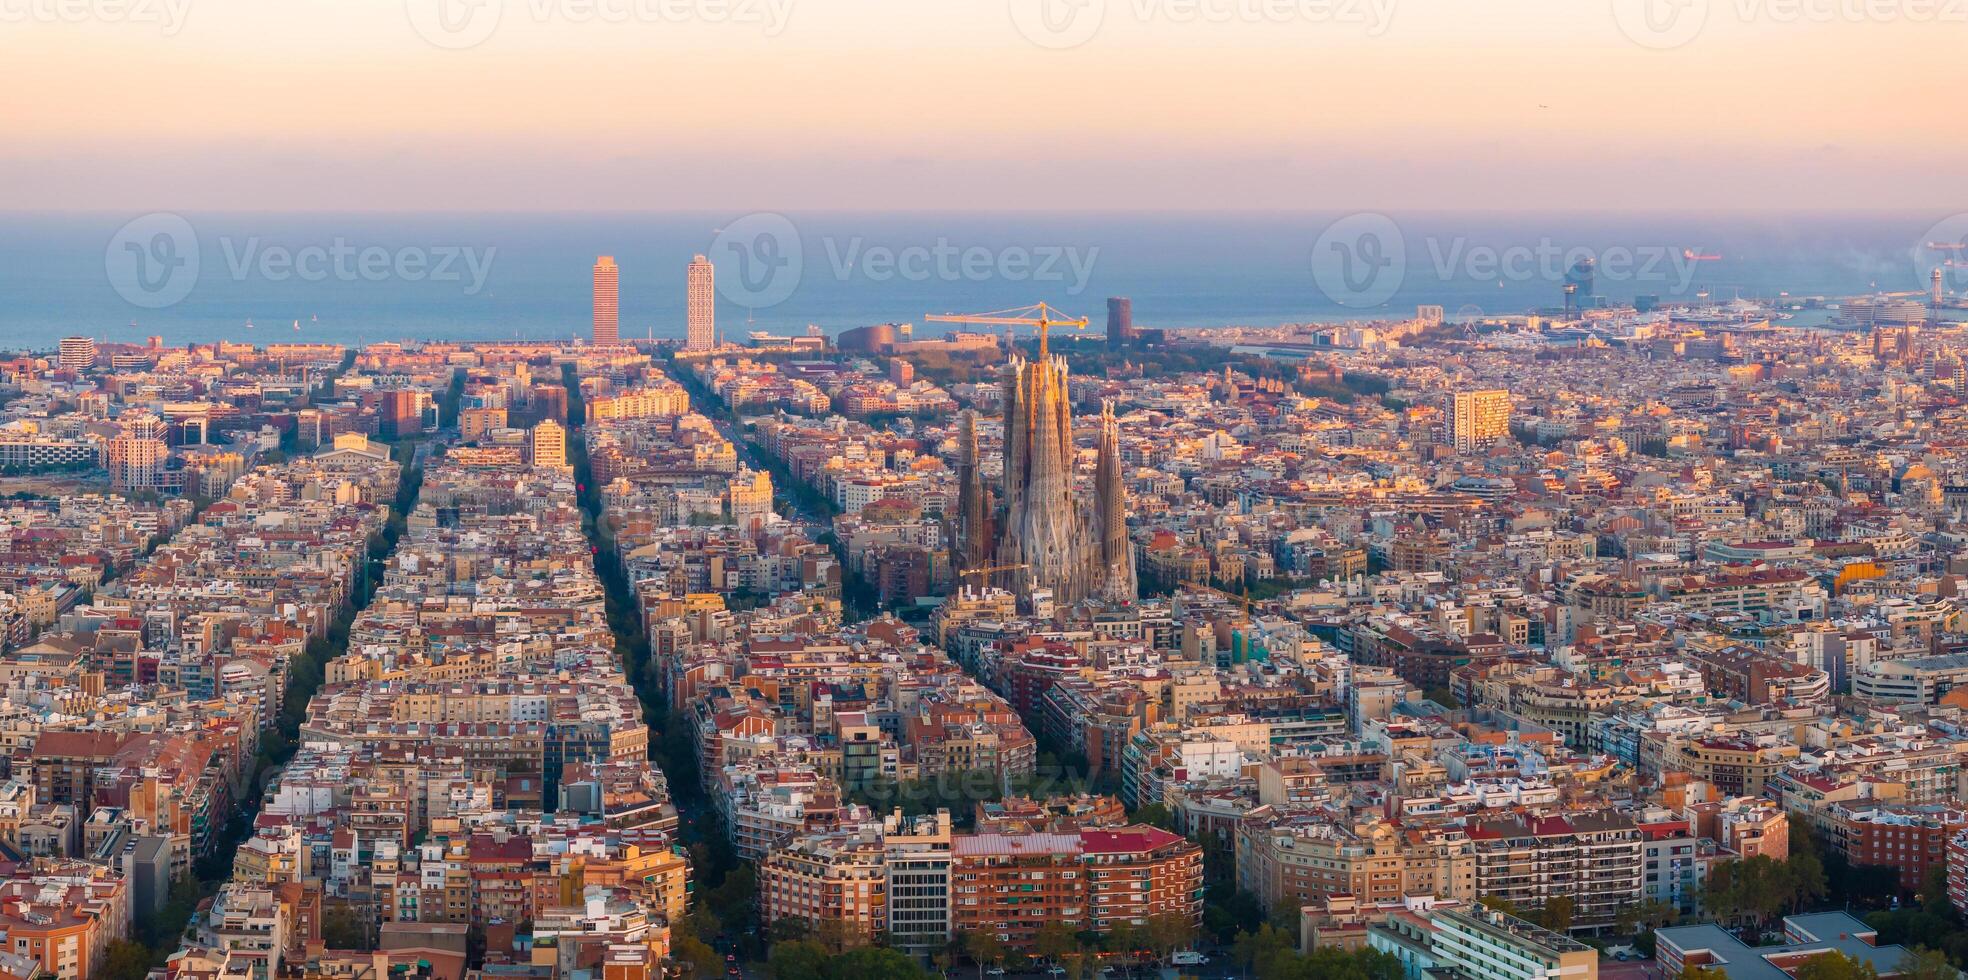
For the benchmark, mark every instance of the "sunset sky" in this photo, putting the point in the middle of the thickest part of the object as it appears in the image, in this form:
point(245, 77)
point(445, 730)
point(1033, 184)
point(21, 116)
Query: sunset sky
point(948, 104)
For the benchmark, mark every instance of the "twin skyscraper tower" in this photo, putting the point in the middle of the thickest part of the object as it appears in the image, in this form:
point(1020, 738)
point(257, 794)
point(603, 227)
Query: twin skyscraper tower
point(700, 294)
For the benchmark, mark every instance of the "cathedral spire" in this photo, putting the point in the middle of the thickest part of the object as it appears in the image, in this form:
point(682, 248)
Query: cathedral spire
point(972, 551)
point(1116, 569)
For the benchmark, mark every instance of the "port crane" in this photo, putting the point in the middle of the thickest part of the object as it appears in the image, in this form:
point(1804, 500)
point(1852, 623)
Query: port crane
point(1039, 315)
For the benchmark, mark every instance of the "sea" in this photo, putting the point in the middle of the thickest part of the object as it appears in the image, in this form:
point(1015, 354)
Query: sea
point(362, 277)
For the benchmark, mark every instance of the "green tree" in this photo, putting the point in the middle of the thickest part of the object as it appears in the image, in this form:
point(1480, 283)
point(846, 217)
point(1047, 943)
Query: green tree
point(1934, 889)
point(1055, 940)
point(1167, 933)
point(125, 960)
point(1921, 963)
point(788, 929)
point(704, 961)
point(797, 959)
point(874, 963)
point(1645, 916)
point(985, 949)
point(1692, 971)
point(1808, 886)
point(1557, 913)
point(1250, 949)
point(1227, 910)
point(1156, 815)
point(1643, 920)
point(343, 927)
point(1834, 966)
point(1124, 938)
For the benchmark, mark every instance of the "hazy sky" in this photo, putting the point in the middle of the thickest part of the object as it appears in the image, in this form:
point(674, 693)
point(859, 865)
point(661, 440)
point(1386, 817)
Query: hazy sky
point(954, 104)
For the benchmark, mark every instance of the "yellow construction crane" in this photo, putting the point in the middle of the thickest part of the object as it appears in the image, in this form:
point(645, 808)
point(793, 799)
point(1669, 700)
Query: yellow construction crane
point(1039, 315)
point(990, 570)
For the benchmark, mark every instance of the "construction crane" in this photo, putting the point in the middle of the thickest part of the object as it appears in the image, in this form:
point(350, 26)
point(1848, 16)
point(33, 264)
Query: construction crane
point(1039, 315)
point(991, 570)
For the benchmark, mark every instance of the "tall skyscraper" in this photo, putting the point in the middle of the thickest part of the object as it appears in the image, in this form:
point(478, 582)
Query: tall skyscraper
point(1478, 418)
point(1120, 322)
point(607, 302)
point(701, 294)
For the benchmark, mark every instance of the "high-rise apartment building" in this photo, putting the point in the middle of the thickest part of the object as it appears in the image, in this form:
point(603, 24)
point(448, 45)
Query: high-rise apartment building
point(400, 414)
point(1478, 418)
point(549, 445)
point(1592, 858)
point(833, 879)
point(1011, 884)
point(136, 458)
point(77, 353)
point(917, 862)
point(607, 301)
point(701, 298)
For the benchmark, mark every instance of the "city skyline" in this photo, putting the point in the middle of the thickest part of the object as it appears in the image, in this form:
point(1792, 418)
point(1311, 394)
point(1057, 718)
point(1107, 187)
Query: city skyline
point(1024, 489)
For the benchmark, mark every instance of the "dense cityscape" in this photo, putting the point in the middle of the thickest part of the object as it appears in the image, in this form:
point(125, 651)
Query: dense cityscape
point(1617, 640)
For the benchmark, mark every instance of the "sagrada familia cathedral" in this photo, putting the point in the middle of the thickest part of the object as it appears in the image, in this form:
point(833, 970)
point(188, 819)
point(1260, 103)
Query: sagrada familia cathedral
point(1042, 534)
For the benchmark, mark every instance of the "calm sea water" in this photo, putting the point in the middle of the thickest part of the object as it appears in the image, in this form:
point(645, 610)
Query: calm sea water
point(353, 278)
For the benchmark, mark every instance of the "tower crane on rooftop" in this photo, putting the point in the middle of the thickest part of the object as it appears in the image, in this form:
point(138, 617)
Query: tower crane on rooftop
point(1039, 315)
point(991, 570)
